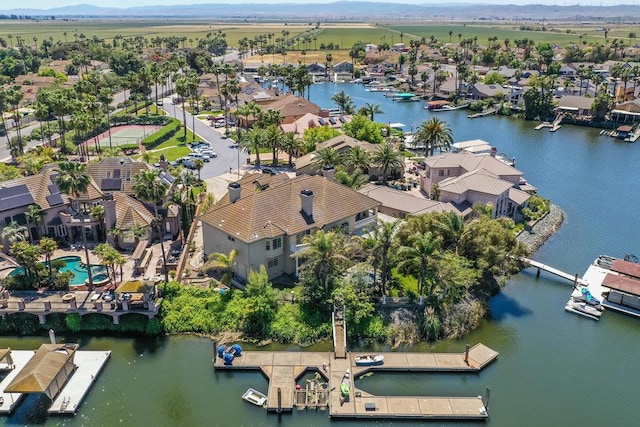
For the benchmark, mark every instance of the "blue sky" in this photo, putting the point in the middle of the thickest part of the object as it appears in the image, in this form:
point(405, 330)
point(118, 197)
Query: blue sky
point(47, 4)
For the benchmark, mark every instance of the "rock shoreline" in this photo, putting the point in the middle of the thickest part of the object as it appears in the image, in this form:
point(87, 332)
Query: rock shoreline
point(535, 236)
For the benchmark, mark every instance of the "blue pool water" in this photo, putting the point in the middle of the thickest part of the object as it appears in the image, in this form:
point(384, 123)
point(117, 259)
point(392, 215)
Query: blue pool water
point(73, 264)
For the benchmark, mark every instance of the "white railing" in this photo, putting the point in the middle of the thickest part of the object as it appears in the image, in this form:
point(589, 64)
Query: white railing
point(365, 222)
point(297, 248)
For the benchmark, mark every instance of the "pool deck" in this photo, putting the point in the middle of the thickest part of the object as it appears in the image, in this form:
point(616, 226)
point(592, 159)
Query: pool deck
point(284, 368)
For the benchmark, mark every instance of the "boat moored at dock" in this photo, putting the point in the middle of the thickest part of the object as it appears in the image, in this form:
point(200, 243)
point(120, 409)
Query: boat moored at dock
point(369, 360)
point(255, 397)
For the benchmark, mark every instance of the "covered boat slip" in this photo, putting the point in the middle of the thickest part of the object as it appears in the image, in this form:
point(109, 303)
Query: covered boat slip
point(283, 368)
point(56, 370)
point(18, 359)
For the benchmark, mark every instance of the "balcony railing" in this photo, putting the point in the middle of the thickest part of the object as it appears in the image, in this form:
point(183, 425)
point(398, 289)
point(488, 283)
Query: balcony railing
point(370, 220)
point(294, 249)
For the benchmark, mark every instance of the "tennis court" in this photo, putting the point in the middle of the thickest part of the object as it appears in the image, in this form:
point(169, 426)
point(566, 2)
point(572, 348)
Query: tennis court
point(130, 134)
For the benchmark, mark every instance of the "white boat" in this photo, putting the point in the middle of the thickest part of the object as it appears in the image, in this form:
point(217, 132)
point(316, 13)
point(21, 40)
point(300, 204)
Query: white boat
point(255, 397)
point(369, 360)
point(447, 108)
point(583, 309)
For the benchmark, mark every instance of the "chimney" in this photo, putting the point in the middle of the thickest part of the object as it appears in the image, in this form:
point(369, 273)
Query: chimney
point(306, 202)
point(328, 172)
point(234, 191)
point(163, 163)
point(109, 210)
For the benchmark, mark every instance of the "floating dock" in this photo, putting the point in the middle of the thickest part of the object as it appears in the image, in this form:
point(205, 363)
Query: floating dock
point(284, 368)
point(9, 401)
point(89, 364)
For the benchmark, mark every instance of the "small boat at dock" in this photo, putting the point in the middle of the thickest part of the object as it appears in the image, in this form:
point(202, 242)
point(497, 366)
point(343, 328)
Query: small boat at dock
point(345, 385)
point(369, 360)
point(255, 397)
point(583, 309)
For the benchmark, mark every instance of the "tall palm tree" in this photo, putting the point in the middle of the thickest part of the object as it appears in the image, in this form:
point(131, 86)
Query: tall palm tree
point(273, 139)
point(327, 156)
point(223, 262)
point(434, 133)
point(34, 215)
point(105, 97)
point(48, 247)
point(388, 159)
point(73, 180)
point(378, 244)
point(182, 89)
point(357, 159)
point(371, 110)
point(253, 141)
point(98, 213)
point(148, 187)
point(354, 180)
point(291, 145)
point(343, 101)
point(415, 258)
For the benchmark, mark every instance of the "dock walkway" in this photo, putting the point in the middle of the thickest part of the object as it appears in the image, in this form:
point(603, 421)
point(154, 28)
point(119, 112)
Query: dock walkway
point(89, 364)
point(283, 369)
point(552, 270)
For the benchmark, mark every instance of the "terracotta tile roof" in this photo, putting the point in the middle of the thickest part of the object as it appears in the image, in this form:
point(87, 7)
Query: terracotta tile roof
point(291, 106)
point(107, 170)
point(93, 192)
point(469, 162)
point(480, 181)
point(130, 212)
point(518, 196)
point(577, 102)
point(276, 211)
point(402, 201)
point(253, 182)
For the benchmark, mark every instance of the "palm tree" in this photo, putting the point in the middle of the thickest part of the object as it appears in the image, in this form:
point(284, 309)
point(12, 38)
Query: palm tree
point(48, 246)
point(415, 258)
point(324, 256)
point(199, 164)
point(13, 232)
point(343, 101)
point(73, 180)
point(388, 159)
point(434, 133)
point(291, 145)
point(105, 97)
point(357, 159)
point(223, 262)
point(183, 91)
point(98, 213)
point(253, 141)
point(34, 215)
point(355, 180)
point(326, 157)
point(378, 245)
point(273, 139)
point(148, 187)
point(371, 110)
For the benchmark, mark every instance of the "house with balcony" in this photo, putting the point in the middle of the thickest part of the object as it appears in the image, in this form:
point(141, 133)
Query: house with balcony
point(464, 179)
point(265, 219)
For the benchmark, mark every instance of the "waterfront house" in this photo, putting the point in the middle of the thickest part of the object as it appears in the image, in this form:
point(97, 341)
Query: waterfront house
point(400, 204)
point(576, 106)
point(310, 120)
point(627, 112)
point(265, 218)
point(342, 67)
point(464, 179)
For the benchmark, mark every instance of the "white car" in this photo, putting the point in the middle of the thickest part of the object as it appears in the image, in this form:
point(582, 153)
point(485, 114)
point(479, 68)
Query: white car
point(203, 157)
point(207, 152)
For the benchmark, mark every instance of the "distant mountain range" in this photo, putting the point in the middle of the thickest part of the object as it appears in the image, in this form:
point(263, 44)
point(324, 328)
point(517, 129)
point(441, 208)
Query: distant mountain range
point(344, 10)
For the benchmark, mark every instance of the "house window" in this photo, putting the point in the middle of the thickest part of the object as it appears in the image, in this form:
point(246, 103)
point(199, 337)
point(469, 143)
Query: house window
point(277, 243)
point(268, 245)
point(272, 263)
point(301, 235)
point(441, 172)
point(62, 230)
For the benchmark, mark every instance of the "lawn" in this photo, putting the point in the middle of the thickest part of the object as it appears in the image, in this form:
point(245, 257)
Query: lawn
point(407, 283)
point(173, 148)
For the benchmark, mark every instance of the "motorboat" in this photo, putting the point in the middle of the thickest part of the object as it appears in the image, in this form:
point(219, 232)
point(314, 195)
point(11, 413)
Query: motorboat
point(255, 397)
point(447, 107)
point(369, 360)
point(589, 299)
point(345, 384)
point(584, 309)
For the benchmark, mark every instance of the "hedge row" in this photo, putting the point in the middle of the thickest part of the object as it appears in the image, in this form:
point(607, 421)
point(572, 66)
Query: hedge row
point(164, 134)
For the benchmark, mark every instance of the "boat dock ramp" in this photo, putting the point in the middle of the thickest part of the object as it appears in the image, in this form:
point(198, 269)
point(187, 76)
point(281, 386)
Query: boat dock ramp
point(284, 368)
point(483, 114)
point(544, 267)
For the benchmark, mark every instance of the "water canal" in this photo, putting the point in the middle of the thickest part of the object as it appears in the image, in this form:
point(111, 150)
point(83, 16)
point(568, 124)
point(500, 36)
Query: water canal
point(554, 368)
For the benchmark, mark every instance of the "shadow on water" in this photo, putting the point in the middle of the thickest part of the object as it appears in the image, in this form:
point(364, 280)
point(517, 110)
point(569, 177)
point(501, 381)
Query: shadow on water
point(32, 410)
point(503, 306)
point(149, 345)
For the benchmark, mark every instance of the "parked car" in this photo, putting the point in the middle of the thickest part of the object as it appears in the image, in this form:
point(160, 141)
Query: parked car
point(187, 162)
point(200, 156)
point(198, 144)
point(207, 152)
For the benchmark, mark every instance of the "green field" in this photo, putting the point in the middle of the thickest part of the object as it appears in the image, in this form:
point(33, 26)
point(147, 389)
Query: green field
point(558, 35)
point(347, 37)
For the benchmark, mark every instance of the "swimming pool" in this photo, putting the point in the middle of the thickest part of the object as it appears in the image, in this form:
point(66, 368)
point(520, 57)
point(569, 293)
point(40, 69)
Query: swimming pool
point(74, 265)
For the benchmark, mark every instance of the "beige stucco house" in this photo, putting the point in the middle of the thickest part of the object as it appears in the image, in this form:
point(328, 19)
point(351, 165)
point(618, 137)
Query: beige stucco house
point(265, 218)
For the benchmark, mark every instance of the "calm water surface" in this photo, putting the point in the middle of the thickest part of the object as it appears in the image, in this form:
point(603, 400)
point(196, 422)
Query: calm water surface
point(554, 369)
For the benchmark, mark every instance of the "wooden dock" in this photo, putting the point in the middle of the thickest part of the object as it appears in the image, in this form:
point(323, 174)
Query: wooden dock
point(88, 366)
point(544, 267)
point(284, 368)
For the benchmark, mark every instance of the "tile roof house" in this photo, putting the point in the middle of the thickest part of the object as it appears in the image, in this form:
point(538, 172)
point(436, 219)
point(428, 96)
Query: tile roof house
point(64, 217)
point(310, 120)
point(627, 111)
point(576, 105)
point(465, 179)
point(399, 204)
point(265, 218)
point(291, 107)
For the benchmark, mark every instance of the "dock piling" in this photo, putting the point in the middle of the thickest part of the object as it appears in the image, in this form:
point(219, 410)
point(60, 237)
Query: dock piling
point(279, 410)
point(538, 273)
point(466, 355)
point(486, 404)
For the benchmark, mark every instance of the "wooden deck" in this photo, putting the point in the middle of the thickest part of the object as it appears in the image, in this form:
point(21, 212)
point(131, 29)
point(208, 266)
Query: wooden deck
point(9, 401)
point(283, 369)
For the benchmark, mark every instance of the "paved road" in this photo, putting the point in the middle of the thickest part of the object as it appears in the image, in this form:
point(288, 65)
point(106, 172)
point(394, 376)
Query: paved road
point(228, 156)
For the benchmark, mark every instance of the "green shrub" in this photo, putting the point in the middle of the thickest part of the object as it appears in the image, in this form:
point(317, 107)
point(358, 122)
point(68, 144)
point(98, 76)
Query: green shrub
point(73, 322)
